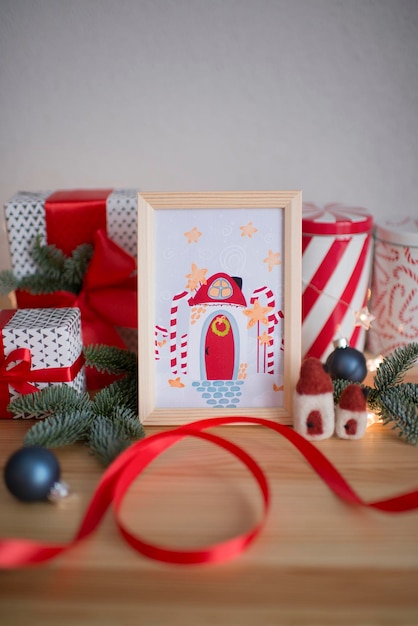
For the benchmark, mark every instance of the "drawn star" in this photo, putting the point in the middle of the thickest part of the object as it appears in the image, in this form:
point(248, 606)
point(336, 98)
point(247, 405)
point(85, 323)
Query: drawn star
point(364, 318)
point(193, 235)
point(265, 339)
point(249, 230)
point(176, 382)
point(257, 314)
point(196, 277)
point(272, 259)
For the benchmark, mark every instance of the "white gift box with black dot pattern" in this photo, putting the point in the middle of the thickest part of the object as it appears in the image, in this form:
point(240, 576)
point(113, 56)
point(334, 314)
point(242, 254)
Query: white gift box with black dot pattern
point(25, 219)
point(53, 337)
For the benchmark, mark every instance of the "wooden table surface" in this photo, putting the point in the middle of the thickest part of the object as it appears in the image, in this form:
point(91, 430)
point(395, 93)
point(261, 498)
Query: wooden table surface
point(317, 561)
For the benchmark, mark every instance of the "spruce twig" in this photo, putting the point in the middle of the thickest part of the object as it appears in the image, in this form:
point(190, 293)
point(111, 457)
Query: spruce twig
point(54, 270)
point(395, 402)
point(108, 422)
point(61, 429)
point(8, 282)
point(54, 399)
point(392, 370)
point(110, 360)
point(107, 440)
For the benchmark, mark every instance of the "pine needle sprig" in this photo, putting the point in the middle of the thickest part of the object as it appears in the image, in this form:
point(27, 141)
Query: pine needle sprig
point(110, 360)
point(107, 440)
point(8, 282)
point(40, 283)
point(76, 266)
point(392, 370)
point(339, 386)
point(108, 422)
point(54, 270)
point(53, 399)
point(60, 429)
point(120, 393)
point(399, 409)
point(48, 258)
point(392, 400)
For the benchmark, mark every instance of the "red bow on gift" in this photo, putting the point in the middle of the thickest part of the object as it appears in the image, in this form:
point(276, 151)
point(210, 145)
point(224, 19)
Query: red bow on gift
point(108, 297)
point(16, 371)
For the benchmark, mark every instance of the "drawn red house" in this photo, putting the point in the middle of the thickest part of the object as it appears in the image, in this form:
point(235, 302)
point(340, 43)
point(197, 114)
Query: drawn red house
point(217, 338)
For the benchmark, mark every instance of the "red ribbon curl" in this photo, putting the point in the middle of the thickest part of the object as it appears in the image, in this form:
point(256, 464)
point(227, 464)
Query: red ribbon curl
point(117, 479)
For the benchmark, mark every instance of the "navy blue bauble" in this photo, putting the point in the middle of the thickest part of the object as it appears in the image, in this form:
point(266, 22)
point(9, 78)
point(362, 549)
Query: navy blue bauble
point(346, 363)
point(31, 473)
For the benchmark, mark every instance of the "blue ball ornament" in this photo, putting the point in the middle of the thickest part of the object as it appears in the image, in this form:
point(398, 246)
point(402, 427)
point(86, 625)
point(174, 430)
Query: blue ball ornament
point(32, 473)
point(346, 363)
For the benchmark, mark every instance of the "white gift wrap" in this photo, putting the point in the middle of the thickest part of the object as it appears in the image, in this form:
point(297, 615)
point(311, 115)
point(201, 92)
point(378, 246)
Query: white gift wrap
point(53, 337)
point(25, 219)
point(336, 267)
point(394, 293)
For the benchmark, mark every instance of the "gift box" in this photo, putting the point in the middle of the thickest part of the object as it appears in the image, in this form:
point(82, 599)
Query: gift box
point(68, 218)
point(394, 293)
point(39, 348)
point(104, 218)
point(337, 254)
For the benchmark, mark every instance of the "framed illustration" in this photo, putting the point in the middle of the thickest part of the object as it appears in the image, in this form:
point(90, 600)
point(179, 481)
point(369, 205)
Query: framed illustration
point(219, 289)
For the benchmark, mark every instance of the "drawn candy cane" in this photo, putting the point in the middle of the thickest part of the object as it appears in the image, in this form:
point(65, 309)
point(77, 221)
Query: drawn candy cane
point(173, 333)
point(159, 330)
point(272, 320)
point(183, 354)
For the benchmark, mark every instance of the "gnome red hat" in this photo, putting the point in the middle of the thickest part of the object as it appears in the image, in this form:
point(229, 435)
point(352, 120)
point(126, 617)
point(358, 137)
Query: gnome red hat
point(313, 401)
point(351, 413)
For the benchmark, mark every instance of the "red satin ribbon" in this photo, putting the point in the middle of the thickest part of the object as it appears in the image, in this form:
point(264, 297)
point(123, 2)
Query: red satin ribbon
point(83, 211)
point(16, 370)
point(120, 474)
point(108, 297)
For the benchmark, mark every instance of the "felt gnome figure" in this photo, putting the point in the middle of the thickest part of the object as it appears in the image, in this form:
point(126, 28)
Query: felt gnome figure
point(351, 413)
point(313, 402)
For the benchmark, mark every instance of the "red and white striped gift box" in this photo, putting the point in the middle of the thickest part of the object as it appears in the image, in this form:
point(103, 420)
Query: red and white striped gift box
point(336, 267)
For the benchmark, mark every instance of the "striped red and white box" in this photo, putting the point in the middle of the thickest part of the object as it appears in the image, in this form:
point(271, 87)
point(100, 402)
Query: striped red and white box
point(336, 266)
point(394, 296)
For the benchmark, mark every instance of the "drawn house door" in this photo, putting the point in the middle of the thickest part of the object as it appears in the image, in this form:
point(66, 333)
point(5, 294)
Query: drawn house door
point(220, 349)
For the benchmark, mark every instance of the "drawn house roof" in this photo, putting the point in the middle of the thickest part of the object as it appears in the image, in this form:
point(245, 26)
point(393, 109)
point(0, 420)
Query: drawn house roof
point(221, 289)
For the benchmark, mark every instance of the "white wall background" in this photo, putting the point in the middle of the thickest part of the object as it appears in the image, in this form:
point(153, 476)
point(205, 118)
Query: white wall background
point(319, 95)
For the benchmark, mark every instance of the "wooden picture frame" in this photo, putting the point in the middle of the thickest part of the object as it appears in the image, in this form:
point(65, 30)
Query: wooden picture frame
point(242, 349)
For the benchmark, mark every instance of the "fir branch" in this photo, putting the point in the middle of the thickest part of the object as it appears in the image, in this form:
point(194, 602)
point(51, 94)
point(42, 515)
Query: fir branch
point(107, 439)
point(53, 399)
point(8, 282)
point(76, 266)
point(391, 371)
point(339, 386)
point(61, 429)
point(110, 359)
point(395, 402)
point(40, 283)
point(121, 392)
point(128, 421)
point(49, 259)
point(109, 422)
point(55, 271)
point(397, 407)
